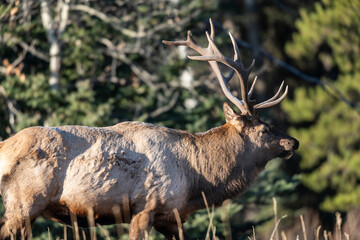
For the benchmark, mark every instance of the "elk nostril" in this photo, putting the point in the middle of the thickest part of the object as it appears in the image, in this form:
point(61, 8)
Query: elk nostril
point(296, 144)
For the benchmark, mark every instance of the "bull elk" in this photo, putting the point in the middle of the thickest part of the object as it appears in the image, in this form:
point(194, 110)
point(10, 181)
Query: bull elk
point(145, 171)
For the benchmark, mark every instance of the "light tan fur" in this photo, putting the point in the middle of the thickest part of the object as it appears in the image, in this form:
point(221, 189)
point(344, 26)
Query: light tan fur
point(147, 170)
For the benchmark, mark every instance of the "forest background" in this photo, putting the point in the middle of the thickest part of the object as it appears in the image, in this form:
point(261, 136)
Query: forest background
point(98, 63)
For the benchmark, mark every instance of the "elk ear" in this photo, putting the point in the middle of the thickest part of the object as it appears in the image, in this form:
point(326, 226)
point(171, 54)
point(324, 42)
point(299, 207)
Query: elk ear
point(229, 112)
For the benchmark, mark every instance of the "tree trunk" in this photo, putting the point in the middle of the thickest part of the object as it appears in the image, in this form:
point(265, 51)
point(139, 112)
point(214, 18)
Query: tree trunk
point(53, 37)
point(252, 24)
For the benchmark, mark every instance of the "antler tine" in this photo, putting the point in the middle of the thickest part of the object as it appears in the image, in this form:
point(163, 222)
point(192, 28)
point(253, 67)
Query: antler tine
point(237, 56)
point(212, 29)
point(249, 70)
point(190, 42)
point(251, 91)
point(271, 102)
point(229, 77)
point(216, 54)
point(273, 98)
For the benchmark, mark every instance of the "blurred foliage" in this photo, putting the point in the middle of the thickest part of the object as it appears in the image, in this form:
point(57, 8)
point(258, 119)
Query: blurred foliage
point(328, 128)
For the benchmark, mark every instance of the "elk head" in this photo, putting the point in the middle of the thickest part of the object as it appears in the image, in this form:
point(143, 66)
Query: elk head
point(261, 139)
point(259, 136)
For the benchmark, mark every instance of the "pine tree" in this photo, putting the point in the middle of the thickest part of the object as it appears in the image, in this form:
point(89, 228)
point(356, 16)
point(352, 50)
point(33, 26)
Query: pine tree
point(328, 41)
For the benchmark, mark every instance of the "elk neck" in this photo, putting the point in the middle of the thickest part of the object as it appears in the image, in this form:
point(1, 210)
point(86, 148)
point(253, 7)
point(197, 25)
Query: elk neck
point(221, 167)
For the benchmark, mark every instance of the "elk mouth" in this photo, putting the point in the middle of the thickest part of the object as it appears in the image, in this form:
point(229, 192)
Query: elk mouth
point(286, 154)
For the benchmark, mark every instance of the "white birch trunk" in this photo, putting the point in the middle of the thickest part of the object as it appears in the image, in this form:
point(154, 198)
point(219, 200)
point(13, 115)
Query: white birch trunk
point(53, 37)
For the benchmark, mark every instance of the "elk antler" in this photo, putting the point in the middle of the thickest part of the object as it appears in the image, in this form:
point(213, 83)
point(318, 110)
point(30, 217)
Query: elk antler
point(212, 55)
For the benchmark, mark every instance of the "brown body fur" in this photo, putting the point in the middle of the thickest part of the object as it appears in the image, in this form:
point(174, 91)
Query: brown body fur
point(144, 169)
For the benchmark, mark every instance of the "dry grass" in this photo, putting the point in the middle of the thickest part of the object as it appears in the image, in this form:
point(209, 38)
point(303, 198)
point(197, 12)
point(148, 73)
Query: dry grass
point(326, 235)
point(318, 233)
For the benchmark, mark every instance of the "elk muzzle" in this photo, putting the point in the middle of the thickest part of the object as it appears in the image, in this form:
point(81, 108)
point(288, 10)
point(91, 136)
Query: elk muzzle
point(289, 145)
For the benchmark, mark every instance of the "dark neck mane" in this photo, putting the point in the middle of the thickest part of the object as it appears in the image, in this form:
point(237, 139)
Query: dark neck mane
point(216, 162)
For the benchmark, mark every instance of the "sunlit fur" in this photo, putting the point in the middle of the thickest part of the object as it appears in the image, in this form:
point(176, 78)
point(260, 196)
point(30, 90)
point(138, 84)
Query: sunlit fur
point(147, 170)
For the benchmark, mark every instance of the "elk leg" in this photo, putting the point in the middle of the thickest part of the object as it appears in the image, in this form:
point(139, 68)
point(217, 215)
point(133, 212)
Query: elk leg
point(171, 231)
point(20, 214)
point(141, 224)
point(15, 227)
